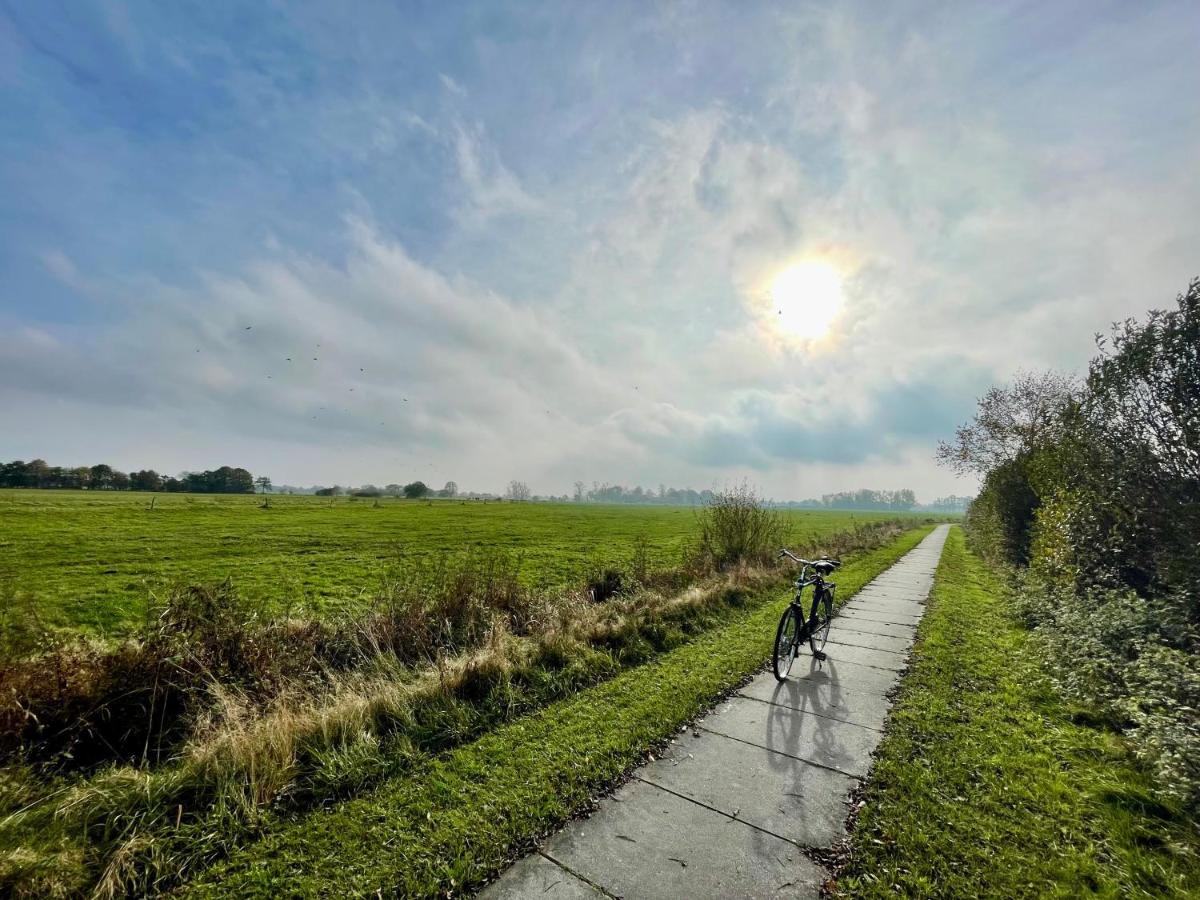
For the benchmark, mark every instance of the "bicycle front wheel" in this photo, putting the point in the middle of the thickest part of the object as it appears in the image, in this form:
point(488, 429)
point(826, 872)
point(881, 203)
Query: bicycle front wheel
point(786, 643)
point(823, 616)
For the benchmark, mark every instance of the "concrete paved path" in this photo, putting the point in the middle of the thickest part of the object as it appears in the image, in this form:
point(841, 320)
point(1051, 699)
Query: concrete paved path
point(730, 808)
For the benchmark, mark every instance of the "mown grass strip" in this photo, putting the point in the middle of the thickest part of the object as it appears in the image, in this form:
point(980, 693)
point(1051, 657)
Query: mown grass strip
point(455, 819)
point(986, 786)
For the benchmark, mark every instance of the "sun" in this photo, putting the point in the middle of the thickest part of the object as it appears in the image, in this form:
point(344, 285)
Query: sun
point(807, 297)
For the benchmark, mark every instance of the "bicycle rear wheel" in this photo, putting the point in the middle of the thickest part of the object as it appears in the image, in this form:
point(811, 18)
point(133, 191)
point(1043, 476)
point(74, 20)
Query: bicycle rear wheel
point(786, 643)
point(823, 614)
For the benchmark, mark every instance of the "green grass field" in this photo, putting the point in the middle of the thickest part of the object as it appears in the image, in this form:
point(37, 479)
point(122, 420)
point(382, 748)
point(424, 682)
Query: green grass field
point(93, 560)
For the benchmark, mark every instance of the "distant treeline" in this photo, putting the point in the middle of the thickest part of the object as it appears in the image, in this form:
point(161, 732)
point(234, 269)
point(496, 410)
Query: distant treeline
point(903, 499)
point(863, 498)
point(899, 500)
point(38, 474)
point(615, 493)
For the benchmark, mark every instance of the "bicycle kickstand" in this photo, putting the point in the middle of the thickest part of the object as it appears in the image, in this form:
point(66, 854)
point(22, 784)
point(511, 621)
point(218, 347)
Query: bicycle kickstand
point(819, 655)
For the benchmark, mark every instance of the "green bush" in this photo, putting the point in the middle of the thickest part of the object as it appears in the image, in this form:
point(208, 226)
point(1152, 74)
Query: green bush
point(1105, 513)
point(738, 527)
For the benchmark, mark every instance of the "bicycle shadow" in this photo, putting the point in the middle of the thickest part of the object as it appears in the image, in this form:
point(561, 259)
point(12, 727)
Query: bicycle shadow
point(803, 720)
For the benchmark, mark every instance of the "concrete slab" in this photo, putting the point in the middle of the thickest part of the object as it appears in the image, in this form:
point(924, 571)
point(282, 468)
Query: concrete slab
point(646, 842)
point(846, 701)
point(843, 635)
point(906, 595)
point(777, 793)
point(813, 738)
point(880, 616)
point(869, 626)
point(849, 675)
point(536, 876)
point(879, 659)
point(890, 607)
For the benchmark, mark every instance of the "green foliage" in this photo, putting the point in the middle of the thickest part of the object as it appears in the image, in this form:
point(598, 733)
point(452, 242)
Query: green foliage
point(737, 527)
point(1000, 519)
point(988, 785)
point(416, 490)
point(1107, 517)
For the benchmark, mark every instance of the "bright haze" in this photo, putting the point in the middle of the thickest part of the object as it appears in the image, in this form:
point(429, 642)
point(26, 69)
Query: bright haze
point(642, 243)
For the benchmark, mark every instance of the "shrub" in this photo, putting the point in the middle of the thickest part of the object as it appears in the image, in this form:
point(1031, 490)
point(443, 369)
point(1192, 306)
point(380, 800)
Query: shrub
point(1000, 520)
point(1107, 517)
point(737, 527)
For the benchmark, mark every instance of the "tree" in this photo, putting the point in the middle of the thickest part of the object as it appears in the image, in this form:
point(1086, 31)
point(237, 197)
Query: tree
point(1009, 422)
point(36, 473)
point(518, 491)
point(579, 492)
point(393, 490)
point(450, 490)
point(146, 480)
point(263, 482)
point(100, 476)
point(415, 490)
point(12, 474)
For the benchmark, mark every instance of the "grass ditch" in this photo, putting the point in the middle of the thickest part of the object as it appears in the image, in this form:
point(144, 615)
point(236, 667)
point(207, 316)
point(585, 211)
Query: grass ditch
point(988, 785)
point(263, 740)
point(454, 819)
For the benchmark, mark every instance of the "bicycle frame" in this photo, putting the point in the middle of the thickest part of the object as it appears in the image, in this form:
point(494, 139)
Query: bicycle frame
point(819, 586)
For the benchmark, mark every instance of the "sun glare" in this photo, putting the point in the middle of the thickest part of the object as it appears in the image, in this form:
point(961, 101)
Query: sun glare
point(807, 297)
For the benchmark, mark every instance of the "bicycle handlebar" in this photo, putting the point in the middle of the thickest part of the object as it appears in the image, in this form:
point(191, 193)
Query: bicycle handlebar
point(824, 561)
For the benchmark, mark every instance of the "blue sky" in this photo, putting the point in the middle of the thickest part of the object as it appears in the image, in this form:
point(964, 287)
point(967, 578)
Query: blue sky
point(533, 240)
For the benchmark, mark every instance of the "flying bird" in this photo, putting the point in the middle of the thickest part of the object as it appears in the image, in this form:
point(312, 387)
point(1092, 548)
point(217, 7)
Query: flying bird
point(248, 327)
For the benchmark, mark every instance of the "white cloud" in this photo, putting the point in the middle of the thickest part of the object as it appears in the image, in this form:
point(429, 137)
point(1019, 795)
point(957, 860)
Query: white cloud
point(491, 189)
point(451, 85)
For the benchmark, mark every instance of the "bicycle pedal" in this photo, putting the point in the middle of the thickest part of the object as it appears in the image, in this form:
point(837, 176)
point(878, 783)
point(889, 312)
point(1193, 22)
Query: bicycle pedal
point(819, 655)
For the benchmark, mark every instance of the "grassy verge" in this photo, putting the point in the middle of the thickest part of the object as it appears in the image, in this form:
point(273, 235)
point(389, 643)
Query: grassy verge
point(987, 786)
point(456, 818)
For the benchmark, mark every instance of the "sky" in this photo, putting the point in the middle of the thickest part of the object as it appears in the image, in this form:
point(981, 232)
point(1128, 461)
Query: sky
point(377, 242)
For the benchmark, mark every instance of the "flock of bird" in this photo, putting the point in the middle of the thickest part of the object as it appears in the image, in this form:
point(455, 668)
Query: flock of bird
point(314, 359)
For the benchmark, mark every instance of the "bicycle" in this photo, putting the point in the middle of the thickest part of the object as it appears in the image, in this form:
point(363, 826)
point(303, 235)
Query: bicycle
point(794, 627)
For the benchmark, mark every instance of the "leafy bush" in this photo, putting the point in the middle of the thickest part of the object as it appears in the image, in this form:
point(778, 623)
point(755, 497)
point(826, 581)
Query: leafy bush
point(999, 521)
point(1106, 515)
